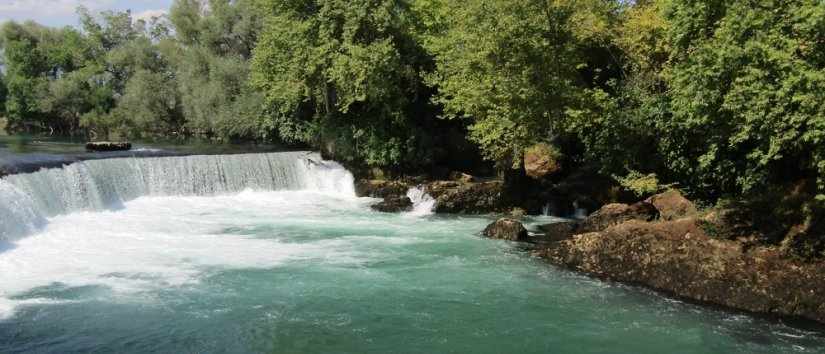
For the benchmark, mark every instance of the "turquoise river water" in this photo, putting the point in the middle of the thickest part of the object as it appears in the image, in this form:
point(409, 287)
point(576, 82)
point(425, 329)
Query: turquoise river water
point(273, 253)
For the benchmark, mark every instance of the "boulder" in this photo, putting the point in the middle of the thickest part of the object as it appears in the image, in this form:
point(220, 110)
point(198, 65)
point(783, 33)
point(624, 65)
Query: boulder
point(108, 146)
point(558, 231)
point(506, 229)
point(393, 205)
point(617, 213)
point(541, 160)
point(468, 198)
point(380, 188)
point(672, 205)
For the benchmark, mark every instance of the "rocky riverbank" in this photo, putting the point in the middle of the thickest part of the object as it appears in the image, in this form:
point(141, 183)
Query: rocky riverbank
point(663, 243)
point(469, 196)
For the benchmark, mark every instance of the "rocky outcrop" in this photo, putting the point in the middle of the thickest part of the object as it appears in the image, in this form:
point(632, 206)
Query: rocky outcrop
point(617, 213)
point(381, 188)
point(468, 198)
point(506, 229)
point(558, 231)
point(608, 215)
point(108, 146)
point(393, 205)
point(451, 196)
point(672, 205)
point(677, 257)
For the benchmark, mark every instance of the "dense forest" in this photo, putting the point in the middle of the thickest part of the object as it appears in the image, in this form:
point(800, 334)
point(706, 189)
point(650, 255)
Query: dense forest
point(723, 99)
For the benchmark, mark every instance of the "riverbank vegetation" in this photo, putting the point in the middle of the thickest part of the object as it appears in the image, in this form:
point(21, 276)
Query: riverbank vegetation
point(722, 99)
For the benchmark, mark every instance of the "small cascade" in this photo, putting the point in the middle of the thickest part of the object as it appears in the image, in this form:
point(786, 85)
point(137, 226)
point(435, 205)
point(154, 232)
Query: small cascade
point(545, 210)
point(423, 203)
point(27, 200)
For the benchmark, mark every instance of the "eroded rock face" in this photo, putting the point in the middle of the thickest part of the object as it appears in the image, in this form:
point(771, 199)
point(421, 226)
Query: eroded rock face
point(393, 205)
point(506, 229)
point(679, 258)
point(672, 205)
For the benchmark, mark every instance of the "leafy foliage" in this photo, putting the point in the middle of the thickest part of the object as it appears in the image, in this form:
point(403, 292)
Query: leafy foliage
point(343, 74)
point(747, 85)
point(511, 67)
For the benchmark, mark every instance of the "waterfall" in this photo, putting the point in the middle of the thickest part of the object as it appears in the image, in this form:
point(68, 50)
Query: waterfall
point(423, 203)
point(545, 210)
point(27, 200)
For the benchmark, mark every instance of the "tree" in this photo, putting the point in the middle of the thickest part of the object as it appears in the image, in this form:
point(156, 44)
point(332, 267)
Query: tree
point(344, 76)
point(211, 56)
point(513, 68)
point(747, 86)
point(3, 93)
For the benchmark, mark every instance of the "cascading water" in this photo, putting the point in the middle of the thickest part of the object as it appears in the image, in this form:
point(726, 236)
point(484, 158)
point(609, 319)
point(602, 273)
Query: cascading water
point(27, 200)
point(545, 210)
point(423, 203)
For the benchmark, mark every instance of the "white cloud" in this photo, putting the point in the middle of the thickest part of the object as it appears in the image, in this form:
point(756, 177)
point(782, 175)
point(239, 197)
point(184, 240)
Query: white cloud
point(23, 9)
point(148, 14)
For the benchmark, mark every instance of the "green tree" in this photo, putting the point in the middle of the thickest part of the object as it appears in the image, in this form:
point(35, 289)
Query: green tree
point(747, 85)
point(617, 127)
point(513, 67)
point(211, 55)
point(345, 76)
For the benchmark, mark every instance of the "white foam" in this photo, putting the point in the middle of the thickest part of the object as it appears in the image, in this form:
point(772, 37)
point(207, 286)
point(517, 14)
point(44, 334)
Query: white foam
point(9, 307)
point(423, 203)
point(26, 200)
point(160, 242)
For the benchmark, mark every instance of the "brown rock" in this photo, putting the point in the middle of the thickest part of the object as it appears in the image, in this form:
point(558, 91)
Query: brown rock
point(468, 198)
point(617, 213)
point(558, 231)
point(393, 205)
point(380, 188)
point(506, 229)
point(672, 205)
point(679, 258)
point(541, 160)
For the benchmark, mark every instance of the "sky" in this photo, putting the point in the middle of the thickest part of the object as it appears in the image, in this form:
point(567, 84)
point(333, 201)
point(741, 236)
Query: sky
point(62, 12)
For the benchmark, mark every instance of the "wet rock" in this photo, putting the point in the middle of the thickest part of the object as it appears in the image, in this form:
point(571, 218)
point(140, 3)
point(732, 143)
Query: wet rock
point(506, 229)
point(541, 160)
point(381, 188)
point(108, 146)
point(672, 205)
point(468, 198)
point(677, 257)
point(393, 205)
point(617, 213)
